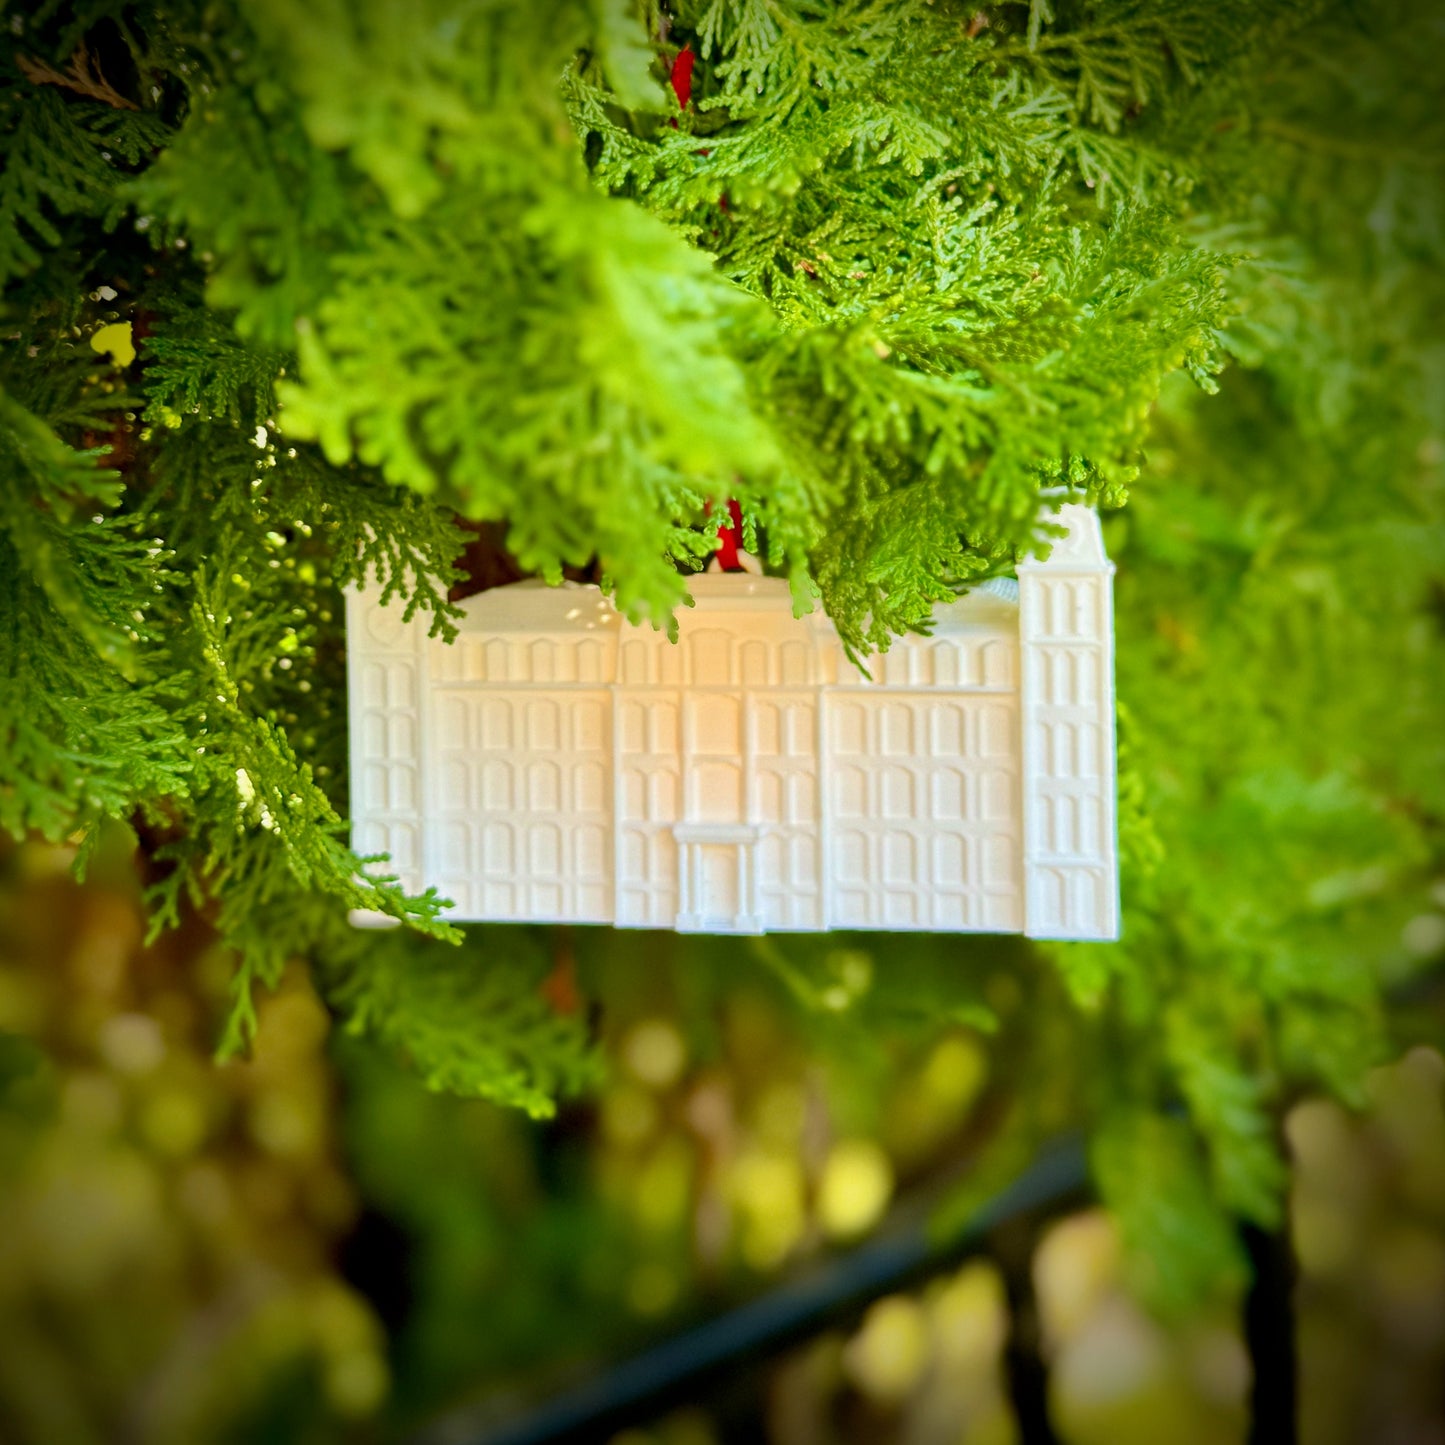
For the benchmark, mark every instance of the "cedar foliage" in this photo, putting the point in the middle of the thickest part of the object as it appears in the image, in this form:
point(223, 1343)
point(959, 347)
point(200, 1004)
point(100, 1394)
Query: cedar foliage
point(899, 277)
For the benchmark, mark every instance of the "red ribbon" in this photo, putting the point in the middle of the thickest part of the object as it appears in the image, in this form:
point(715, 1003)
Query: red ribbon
point(682, 77)
point(729, 539)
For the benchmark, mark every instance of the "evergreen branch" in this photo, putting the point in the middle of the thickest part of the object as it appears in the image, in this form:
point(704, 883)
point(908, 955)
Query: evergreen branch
point(53, 170)
point(82, 75)
point(472, 1021)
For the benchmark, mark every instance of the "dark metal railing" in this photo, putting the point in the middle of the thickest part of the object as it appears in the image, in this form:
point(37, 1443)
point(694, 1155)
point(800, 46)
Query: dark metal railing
point(837, 1292)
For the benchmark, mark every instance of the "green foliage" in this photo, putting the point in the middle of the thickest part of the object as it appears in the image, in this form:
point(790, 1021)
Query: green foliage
point(515, 1048)
point(898, 277)
point(84, 733)
point(1180, 1246)
point(54, 169)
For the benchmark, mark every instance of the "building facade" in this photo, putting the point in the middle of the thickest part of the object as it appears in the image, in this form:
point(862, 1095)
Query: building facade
point(555, 763)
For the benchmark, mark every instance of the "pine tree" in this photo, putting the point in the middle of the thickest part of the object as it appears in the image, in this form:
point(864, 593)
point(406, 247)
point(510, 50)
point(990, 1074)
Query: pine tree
point(297, 294)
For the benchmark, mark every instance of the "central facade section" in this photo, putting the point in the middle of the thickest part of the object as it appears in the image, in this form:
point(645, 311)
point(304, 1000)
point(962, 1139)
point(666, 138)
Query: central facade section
point(719, 810)
point(744, 779)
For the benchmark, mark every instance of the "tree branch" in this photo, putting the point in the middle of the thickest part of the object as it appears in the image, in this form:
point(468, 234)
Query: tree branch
point(82, 75)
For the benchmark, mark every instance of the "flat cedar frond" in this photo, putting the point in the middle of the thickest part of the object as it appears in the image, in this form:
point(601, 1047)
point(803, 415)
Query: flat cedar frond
point(53, 169)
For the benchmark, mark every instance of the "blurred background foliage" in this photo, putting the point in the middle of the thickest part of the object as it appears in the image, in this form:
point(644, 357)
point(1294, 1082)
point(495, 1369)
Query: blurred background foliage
point(308, 1245)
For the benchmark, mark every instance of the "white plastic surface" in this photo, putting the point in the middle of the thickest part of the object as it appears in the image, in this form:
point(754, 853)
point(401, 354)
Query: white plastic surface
point(557, 764)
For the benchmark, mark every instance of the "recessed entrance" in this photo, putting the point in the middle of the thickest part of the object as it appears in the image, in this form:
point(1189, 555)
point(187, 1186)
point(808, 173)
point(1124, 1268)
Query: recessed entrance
point(718, 889)
point(716, 883)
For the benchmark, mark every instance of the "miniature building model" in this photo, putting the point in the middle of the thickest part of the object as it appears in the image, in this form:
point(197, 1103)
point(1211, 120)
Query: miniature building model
point(555, 763)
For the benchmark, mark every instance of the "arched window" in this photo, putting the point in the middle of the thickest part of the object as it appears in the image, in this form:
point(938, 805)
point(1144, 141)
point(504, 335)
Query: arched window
point(544, 787)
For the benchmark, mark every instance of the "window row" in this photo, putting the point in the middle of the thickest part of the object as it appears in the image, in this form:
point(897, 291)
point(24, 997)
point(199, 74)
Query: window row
point(948, 861)
point(923, 792)
point(922, 727)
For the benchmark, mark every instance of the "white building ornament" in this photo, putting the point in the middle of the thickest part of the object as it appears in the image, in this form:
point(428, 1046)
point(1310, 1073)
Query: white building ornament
point(556, 764)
